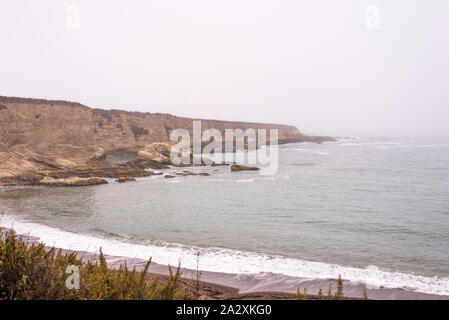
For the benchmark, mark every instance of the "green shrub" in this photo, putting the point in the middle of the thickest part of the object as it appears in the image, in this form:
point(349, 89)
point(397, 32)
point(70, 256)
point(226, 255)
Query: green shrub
point(320, 294)
point(339, 295)
point(30, 271)
point(365, 295)
point(138, 131)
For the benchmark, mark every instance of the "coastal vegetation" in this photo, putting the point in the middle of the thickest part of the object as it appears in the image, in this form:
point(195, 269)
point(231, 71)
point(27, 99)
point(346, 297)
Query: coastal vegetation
point(32, 271)
point(338, 295)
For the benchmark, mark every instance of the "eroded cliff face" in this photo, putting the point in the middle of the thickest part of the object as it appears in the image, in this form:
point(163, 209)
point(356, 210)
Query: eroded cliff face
point(40, 134)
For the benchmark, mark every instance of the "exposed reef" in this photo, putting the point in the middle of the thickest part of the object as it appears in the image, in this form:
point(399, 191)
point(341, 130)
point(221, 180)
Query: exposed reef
point(239, 167)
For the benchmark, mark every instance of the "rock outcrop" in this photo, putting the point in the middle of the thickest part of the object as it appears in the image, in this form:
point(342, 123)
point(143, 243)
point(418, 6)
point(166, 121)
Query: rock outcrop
point(239, 167)
point(50, 177)
point(190, 173)
point(125, 179)
point(157, 152)
point(72, 182)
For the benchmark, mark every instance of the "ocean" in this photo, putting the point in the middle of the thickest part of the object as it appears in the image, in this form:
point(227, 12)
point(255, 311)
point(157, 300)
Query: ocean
point(373, 210)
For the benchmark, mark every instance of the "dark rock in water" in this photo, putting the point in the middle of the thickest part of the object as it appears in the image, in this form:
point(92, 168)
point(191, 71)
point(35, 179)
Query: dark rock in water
point(125, 179)
point(169, 176)
point(214, 164)
point(239, 167)
point(182, 165)
point(189, 173)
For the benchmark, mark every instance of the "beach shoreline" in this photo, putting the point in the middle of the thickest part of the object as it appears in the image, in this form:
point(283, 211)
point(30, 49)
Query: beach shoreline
point(230, 286)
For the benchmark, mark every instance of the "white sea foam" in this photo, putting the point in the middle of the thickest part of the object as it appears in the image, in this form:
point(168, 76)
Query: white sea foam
point(392, 144)
point(374, 143)
point(244, 180)
point(429, 145)
point(232, 261)
point(306, 150)
point(351, 144)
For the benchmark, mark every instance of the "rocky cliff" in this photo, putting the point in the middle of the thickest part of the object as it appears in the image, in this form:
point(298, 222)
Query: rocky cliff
point(38, 134)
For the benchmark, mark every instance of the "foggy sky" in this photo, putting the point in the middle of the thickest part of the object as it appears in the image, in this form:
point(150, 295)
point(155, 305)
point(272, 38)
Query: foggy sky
point(321, 65)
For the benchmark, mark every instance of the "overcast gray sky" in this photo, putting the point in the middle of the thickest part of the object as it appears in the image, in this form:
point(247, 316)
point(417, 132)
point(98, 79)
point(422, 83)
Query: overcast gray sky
point(347, 67)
